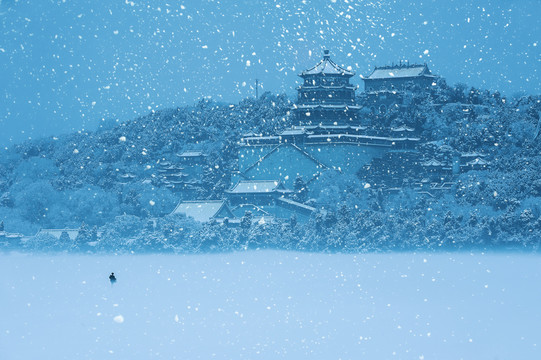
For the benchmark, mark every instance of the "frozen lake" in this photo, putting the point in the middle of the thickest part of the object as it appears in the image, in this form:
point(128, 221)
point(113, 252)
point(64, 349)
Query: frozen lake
point(271, 305)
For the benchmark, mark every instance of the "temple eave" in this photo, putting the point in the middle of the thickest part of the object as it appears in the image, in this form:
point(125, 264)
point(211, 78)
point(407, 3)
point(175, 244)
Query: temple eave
point(327, 107)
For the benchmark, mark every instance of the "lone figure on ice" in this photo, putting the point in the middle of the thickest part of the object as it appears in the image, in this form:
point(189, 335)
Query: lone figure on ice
point(112, 278)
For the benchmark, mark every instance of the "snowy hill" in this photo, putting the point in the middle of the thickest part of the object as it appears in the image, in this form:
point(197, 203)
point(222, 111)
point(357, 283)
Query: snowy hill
point(110, 181)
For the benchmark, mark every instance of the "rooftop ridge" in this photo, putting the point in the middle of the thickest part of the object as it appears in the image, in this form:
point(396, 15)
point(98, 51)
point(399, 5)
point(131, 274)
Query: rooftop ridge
point(68, 229)
point(401, 65)
point(321, 67)
point(259, 181)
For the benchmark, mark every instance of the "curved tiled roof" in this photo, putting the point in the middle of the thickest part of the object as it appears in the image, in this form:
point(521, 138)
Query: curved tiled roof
point(478, 161)
point(327, 67)
point(255, 186)
point(432, 163)
point(202, 211)
point(399, 71)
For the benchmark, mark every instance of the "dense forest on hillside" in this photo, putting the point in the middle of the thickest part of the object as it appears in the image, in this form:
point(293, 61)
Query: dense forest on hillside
point(61, 182)
point(66, 181)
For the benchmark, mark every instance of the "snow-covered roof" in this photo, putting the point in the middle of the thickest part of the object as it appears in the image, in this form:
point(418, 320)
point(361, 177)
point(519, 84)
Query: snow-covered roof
point(127, 176)
point(262, 138)
point(328, 87)
point(403, 128)
point(202, 210)
point(13, 235)
point(366, 139)
point(381, 91)
point(399, 71)
point(72, 233)
point(331, 127)
point(349, 136)
point(478, 161)
point(472, 155)
point(170, 167)
point(327, 67)
point(4, 234)
point(293, 132)
point(256, 186)
point(192, 153)
point(402, 139)
point(173, 182)
point(327, 106)
point(297, 204)
point(432, 163)
point(446, 148)
point(179, 174)
point(250, 134)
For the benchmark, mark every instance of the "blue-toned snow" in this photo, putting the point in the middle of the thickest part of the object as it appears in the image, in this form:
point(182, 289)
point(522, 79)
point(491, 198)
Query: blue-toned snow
point(271, 305)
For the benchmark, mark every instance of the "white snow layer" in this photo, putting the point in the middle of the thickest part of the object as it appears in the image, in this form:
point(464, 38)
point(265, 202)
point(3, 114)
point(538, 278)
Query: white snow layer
point(271, 305)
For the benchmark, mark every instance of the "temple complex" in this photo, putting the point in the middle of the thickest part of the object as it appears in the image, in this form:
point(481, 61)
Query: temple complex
point(329, 135)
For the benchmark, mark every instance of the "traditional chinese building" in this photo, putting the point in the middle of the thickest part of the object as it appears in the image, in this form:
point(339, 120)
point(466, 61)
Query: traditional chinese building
point(326, 96)
point(268, 198)
point(193, 162)
point(262, 192)
point(473, 161)
point(329, 135)
point(204, 210)
point(172, 176)
point(388, 87)
point(399, 77)
point(9, 240)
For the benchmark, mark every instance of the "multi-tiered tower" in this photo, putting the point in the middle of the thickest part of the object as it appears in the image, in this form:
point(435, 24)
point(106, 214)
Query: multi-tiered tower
point(326, 97)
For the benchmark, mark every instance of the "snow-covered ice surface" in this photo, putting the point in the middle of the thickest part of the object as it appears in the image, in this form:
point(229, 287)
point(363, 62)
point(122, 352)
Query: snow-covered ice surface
point(271, 305)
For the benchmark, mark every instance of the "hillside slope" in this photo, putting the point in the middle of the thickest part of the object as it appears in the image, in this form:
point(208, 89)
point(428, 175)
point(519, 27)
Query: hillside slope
point(65, 181)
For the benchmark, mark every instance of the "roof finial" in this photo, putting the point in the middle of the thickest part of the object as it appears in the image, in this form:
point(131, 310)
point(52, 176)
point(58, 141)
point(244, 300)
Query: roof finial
point(326, 54)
